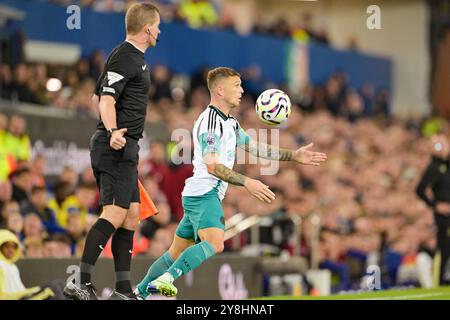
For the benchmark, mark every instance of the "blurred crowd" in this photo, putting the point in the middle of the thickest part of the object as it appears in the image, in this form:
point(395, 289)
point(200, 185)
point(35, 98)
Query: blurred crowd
point(35, 83)
point(360, 193)
point(220, 15)
point(363, 197)
point(374, 164)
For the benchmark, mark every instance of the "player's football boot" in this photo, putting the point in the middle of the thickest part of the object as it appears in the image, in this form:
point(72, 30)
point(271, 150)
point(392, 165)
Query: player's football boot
point(162, 286)
point(85, 291)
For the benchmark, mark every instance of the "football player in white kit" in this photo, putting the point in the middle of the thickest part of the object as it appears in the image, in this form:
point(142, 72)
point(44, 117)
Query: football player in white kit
point(216, 134)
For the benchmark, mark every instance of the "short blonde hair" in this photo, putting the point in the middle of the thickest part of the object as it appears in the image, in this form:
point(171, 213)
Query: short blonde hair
point(138, 15)
point(219, 73)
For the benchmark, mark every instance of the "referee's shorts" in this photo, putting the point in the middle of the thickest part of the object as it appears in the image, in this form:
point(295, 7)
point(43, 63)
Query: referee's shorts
point(115, 170)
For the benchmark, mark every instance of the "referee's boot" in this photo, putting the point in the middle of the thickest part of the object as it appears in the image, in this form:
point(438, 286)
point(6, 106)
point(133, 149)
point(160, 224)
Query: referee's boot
point(116, 295)
point(85, 291)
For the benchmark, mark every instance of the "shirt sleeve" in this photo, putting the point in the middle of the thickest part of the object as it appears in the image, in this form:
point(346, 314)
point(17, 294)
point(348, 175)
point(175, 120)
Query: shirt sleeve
point(210, 133)
point(118, 72)
point(242, 138)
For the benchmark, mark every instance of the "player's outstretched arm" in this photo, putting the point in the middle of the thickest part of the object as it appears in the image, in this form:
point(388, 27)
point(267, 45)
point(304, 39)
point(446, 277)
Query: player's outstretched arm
point(302, 155)
point(255, 187)
point(267, 151)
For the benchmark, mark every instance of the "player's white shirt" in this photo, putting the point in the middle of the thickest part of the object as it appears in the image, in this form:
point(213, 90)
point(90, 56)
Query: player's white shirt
point(213, 132)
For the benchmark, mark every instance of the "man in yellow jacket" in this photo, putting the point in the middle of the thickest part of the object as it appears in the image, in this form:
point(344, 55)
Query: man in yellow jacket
point(11, 286)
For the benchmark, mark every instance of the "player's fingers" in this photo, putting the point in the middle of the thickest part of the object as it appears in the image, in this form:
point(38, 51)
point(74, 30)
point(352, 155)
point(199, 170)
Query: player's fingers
point(265, 197)
point(258, 197)
point(265, 189)
point(123, 131)
point(320, 154)
point(269, 193)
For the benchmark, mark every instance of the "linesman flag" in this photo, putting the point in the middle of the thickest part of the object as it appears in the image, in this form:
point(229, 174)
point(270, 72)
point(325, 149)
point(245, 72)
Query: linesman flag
point(147, 208)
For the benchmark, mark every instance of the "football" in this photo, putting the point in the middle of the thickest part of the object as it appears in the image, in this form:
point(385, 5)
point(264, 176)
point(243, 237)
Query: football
point(273, 107)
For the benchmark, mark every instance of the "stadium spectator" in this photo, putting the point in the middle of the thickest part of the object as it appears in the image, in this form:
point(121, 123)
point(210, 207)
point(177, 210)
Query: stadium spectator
point(161, 220)
point(9, 207)
point(160, 85)
point(39, 206)
point(22, 186)
point(5, 194)
point(75, 230)
point(79, 203)
point(160, 242)
point(170, 176)
point(17, 141)
point(33, 227)
point(57, 246)
point(11, 285)
point(33, 248)
point(38, 170)
point(198, 13)
point(62, 191)
point(69, 175)
point(20, 88)
point(14, 223)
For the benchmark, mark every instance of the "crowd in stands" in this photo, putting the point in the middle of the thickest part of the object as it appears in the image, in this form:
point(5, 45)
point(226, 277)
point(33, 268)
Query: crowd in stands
point(28, 83)
point(374, 163)
point(364, 194)
point(215, 14)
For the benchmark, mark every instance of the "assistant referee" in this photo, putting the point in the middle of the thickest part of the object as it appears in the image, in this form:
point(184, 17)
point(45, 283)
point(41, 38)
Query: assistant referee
point(122, 96)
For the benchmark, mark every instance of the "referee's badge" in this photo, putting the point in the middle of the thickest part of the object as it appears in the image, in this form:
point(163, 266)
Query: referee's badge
point(443, 168)
point(113, 77)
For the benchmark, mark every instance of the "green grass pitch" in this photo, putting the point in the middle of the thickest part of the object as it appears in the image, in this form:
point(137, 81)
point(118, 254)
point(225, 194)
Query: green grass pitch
point(441, 293)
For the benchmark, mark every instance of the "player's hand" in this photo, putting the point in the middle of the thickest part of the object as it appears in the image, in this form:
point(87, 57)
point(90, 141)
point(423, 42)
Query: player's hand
point(259, 190)
point(118, 140)
point(305, 156)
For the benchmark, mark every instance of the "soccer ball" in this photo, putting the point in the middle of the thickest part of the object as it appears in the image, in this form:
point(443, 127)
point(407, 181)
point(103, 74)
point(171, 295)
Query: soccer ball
point(273, 107)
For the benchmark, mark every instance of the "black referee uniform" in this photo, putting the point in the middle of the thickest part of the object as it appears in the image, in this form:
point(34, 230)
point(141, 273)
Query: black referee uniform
point(437, 176)
point(126, 77)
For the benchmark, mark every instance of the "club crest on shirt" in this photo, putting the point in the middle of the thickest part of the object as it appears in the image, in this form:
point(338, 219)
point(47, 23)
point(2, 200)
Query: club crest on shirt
point(442, 168)
point(210, 140)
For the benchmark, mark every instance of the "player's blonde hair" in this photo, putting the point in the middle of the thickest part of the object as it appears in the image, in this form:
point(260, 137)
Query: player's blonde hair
point(219, 73)
point(138, 15)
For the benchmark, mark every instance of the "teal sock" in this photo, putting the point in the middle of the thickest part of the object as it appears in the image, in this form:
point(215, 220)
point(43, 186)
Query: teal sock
point(156, 269)
point(191, 258)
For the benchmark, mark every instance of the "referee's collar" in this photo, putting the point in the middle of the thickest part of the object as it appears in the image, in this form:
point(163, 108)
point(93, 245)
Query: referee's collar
point(221, 114)
point(135, 46)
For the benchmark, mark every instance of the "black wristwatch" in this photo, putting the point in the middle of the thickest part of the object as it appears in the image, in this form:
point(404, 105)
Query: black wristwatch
point(110, 131)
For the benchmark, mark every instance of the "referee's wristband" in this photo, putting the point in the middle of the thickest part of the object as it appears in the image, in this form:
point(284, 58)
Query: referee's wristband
point(110, 131)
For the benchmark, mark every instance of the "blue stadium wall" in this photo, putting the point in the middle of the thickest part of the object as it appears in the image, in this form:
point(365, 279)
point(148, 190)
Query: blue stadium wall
point(185, 50)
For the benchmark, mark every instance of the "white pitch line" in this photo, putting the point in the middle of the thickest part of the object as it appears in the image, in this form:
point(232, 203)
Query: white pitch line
point(425, 295)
